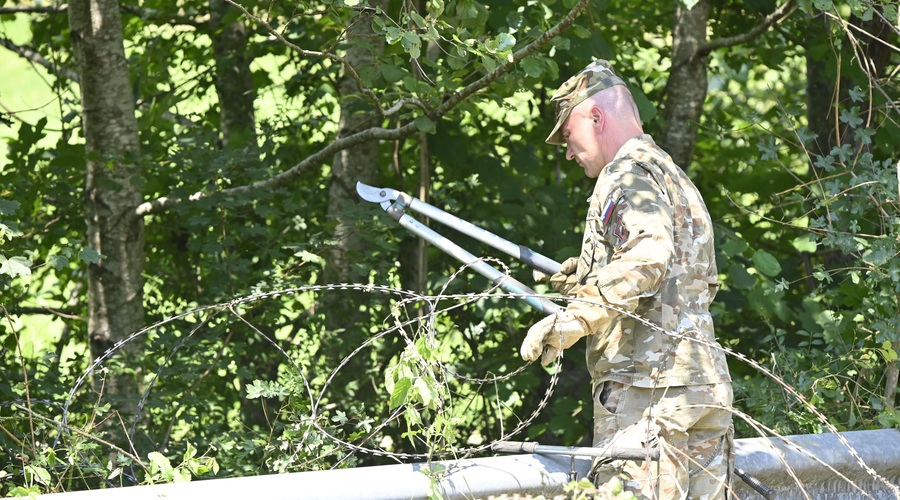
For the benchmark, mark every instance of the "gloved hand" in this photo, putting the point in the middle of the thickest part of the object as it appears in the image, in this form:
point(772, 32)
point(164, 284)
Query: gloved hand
point(559, 331)
point(564, 280)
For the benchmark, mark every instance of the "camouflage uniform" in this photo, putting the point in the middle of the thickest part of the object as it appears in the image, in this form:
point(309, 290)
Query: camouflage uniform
point(648, 248)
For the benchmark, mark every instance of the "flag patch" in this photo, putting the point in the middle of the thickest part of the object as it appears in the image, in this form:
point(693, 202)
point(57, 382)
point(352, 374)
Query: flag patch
point(613, 222)
point(608, 212)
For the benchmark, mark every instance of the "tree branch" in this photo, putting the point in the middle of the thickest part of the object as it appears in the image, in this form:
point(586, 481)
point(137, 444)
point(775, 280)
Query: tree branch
point(145, 14)
point(351, 71)
point(153, 16)
point(522, 53)
point(780, 14)
point(65, 312)
point(32, 9)
point(35, 57)
point(375, 133)
point(60, 72)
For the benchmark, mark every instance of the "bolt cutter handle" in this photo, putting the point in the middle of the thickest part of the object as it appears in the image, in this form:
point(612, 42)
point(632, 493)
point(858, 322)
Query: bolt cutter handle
point(395, 203)
point(504, 281)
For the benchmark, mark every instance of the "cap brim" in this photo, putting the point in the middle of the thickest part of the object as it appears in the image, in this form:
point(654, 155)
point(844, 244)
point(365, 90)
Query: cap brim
point(555, 136)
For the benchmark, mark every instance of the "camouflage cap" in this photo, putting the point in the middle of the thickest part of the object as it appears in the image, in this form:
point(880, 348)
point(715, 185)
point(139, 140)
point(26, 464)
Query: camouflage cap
point(597, 76)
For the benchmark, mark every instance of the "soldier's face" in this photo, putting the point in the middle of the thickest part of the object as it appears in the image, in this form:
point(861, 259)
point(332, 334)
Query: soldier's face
point(582, 144)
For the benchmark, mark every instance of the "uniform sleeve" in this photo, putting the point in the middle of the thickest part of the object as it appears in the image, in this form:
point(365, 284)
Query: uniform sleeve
point(639, 225)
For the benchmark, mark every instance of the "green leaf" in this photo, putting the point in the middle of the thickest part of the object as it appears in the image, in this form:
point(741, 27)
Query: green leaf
point(57, 261)
point(418, 19)
point(424, 391)
point(766, 263)
point(504, 42)
point(400, 393)
point(8, 207)
point(340, 417)
point(393, 34)
point(734, 247)
point(309, 257)
point(9, 230)
point(437, 8)
point(89, 256)
point(393, 74)
point(15, 266)
point(37, 474)
point(189, 453)
point(890, 12)
point(739, 276)
point(489, 63)
point(160, 468)
point(266, 389)
point(532, 67)
point(412, 44)
point(851, 117)
point(804, 243)
point(887, 350)
point(426, 125)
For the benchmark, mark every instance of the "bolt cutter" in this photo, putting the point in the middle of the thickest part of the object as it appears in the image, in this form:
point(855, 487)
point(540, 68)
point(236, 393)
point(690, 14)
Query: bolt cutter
point(395, 203)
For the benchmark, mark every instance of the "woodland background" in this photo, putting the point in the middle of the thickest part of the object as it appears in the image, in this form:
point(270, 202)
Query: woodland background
point(178, 210)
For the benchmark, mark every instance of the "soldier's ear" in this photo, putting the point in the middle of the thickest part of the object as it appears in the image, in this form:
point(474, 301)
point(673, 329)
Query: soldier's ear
point(597, 118)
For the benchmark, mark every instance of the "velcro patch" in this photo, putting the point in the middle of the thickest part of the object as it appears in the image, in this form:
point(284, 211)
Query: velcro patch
point(609, 216)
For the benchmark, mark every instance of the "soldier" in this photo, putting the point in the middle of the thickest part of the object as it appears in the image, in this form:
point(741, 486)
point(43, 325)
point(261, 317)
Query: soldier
point(659, 376)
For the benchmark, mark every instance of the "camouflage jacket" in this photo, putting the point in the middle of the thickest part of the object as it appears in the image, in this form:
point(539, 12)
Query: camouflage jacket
point(648, 247)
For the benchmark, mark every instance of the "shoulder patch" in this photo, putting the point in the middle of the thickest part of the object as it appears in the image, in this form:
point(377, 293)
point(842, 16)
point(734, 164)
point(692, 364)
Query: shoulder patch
point(606, 215)
point(612, 221)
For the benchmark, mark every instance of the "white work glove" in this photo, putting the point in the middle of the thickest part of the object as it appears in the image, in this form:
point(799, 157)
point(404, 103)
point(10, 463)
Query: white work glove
point(564, 280)
point(549, 336)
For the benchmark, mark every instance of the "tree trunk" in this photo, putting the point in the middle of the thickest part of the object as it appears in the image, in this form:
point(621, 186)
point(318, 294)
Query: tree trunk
point(115, 284)
point(237, 126)
point(874, 49)
point(413, 256)
point(686, 88)
point(359, 163)
point(819, 86)
point(234, 80)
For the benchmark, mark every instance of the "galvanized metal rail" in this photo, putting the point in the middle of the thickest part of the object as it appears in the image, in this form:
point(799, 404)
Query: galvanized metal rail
point(805, 466)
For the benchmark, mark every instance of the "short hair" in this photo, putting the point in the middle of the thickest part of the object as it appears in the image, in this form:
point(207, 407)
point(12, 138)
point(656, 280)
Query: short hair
point(618, 101)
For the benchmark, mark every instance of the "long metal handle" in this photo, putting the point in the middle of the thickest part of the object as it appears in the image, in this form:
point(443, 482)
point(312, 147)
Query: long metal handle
point(507, 283)
point(756, 484)
point(520, 252)
point(614, 452)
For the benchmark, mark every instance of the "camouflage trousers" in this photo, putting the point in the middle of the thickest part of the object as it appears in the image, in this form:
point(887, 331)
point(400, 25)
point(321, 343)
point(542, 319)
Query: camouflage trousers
point(691, 426)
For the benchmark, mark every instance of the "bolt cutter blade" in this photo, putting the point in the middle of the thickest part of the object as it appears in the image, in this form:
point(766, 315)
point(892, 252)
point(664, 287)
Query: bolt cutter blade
point(374, 194)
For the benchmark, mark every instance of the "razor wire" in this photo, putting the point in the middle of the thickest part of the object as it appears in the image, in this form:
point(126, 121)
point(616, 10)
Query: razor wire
point(208, 312)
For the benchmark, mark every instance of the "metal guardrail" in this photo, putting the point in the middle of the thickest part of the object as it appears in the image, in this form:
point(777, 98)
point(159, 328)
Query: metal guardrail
point(817, 462)
point(535, 474)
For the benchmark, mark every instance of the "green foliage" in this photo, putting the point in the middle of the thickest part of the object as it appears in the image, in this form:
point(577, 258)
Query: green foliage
point(584, 489)
point(160, 469)
point(16, 265)
point(807, 242)
point(827, 293)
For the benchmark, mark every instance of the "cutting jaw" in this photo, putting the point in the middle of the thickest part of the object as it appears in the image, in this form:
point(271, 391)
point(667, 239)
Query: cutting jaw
point(383, 196)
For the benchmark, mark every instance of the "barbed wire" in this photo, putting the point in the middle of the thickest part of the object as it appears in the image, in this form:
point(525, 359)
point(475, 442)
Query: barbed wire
point(434, 306)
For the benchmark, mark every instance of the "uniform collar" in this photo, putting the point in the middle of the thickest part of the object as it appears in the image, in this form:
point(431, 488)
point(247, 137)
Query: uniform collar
point(632, 144)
